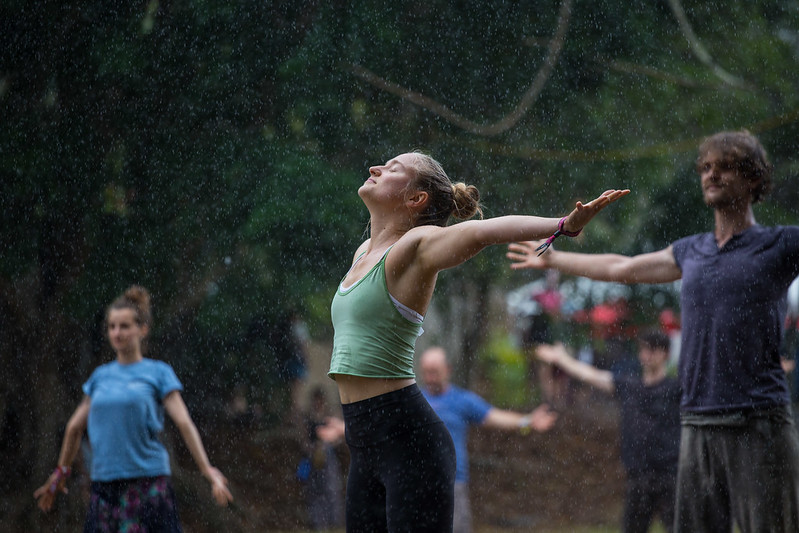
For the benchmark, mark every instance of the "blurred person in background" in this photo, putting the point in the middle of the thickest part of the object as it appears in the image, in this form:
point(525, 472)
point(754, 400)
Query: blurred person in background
point(123, 409)
point(649, 425)
point(459, 409)
point(320, 469)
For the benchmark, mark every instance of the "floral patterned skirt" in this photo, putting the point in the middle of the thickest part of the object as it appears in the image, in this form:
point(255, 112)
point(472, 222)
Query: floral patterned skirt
point(139, 505)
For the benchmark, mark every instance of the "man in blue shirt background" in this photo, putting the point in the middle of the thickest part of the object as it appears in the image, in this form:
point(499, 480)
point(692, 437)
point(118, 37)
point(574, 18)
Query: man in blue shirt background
point(458, 409)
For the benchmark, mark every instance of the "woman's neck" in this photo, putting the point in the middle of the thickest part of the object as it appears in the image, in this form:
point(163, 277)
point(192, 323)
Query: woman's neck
point(385, 232)
point(129, 358)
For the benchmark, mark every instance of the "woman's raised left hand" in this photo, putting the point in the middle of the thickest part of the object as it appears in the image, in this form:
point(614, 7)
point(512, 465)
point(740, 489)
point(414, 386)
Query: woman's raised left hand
point(583, 213)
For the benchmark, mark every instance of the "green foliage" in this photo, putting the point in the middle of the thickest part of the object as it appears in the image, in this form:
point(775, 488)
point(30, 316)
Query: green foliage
point(212, 150)
point(507, 369)
point(210, 146)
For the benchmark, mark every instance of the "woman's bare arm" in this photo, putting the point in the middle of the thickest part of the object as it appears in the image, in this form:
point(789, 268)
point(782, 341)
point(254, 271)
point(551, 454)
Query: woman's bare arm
point(45, 495)
point(176, 408)
point(442, 248)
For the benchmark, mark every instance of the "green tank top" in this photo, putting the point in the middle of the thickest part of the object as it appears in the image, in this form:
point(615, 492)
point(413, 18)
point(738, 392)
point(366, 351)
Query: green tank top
point(371, 338)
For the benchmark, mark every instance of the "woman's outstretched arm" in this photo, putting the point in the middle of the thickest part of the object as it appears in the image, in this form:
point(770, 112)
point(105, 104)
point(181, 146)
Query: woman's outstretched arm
point(45, 495)
point(176, 408)
point(441, 248)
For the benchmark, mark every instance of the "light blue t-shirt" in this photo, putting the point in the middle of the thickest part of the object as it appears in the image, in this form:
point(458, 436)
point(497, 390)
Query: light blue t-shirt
point(458, 409)
point(126, 417)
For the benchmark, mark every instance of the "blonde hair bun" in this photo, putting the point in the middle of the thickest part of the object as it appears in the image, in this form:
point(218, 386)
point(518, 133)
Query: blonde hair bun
point(467, 201)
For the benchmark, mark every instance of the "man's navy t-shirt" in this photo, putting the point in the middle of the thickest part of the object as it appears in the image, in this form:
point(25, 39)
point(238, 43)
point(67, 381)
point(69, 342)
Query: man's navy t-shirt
point(733, 304)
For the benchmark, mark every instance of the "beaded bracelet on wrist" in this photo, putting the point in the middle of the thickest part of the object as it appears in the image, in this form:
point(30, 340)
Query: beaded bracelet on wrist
point(60, 472)
point(560, 231)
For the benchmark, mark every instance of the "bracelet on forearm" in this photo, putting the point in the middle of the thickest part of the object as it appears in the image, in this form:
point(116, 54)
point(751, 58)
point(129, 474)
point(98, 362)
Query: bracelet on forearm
point(60, 472)
point(560, 231)
point(524, 425)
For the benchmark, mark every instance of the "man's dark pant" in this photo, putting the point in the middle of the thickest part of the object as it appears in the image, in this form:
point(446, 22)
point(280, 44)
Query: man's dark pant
point(742, 468)
point(649, 494)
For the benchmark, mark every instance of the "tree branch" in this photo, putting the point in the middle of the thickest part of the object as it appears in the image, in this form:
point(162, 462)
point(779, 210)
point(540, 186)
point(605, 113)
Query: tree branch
point(700, 51)
point(632, 153)
point(509, 120)
point(633, 68)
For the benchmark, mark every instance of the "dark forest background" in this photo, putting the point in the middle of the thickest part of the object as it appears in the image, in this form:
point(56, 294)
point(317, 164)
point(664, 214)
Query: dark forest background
point(211, 151)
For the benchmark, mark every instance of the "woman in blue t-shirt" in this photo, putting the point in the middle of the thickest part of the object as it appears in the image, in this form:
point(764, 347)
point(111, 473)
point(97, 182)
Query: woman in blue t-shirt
point(123, 410)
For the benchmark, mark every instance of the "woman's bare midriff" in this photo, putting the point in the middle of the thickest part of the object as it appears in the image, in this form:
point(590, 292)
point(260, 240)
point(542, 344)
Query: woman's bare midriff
point(355, 388)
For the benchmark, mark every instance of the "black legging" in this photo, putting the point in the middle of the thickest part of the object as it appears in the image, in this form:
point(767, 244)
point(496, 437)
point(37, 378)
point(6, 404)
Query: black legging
point(402, 465)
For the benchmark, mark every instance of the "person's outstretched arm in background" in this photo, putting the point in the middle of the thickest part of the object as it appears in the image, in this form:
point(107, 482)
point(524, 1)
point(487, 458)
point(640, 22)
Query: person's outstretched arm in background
point(557, 355)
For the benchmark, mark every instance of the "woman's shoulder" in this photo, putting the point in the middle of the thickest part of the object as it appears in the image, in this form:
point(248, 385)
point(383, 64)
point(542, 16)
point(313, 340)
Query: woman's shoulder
point(157, 364)
point(419, 233)
point(410, 240)
point(103, 369)
point(413, 241)
point(789, 232)
point(162, 373)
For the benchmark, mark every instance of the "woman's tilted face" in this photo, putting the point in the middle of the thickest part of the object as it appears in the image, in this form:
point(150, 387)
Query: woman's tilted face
point(124, 333)
point(389, 181)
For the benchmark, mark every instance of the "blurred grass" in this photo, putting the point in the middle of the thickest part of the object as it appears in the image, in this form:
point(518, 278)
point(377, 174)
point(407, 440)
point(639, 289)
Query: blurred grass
point(657, 528)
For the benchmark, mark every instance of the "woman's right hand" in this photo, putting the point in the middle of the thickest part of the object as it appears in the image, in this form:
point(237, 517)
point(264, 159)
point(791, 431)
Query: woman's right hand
point(332, 431)
point(525, 255)
point(45, 495)
point(552, 353)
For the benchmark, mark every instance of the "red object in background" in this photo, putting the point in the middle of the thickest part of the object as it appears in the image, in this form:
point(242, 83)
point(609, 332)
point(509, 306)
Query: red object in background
point(607, 319)
point(669, 321)
point(550, 301)
point(604, 315)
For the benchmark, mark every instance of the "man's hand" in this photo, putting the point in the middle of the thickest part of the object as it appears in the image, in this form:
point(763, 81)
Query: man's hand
point(551, 353)
point(525, 255)
point(543, 418)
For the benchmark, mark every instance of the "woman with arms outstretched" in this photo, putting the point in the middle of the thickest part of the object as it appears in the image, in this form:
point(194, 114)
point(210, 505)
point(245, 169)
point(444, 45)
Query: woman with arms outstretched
point(123, 409)
point(402, 458)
